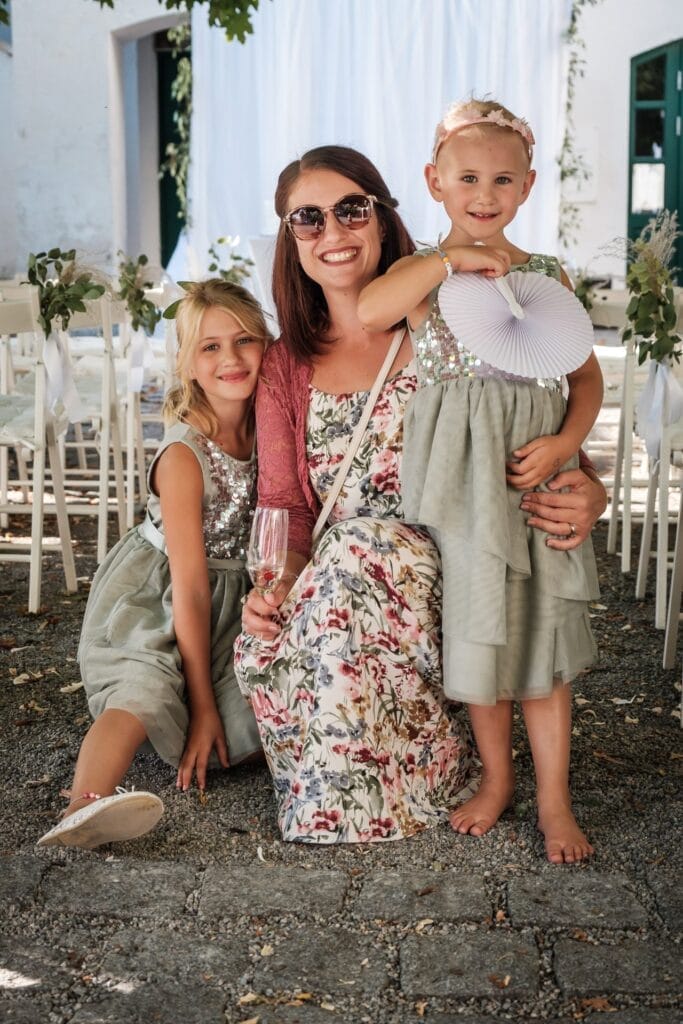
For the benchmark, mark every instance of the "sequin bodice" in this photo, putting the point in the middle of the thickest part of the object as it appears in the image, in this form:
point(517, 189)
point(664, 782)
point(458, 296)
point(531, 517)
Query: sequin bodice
point(441, 357)
point(229, 506)
point(229, 494)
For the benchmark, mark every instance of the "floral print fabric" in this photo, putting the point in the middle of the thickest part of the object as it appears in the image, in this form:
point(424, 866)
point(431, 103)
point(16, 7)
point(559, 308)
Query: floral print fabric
point(359, 739)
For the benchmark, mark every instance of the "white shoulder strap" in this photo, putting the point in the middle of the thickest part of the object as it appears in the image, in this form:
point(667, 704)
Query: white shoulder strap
point(358, 433)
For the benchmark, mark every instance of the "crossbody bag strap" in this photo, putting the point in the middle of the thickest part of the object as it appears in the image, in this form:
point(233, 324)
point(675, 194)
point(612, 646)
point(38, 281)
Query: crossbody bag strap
point(358, 433)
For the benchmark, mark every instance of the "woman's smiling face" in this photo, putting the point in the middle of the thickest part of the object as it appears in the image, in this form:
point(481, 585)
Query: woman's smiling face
point(341, 258)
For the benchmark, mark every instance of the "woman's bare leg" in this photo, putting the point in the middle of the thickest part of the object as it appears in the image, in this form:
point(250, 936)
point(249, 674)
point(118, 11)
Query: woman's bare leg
point(549, 725)
point(492, 727)
point(106, 755)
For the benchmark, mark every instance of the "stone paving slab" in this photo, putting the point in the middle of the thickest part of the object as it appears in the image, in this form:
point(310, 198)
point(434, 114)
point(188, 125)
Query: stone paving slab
point(132, 953)
point(19, 879)
point(669, 895)
point(580, 900)
point(23, 1011)
point(31, 966)
point(470, 965)
point(119, 888)
point(235, 889)
point(637, 1015)
point(629, 967)
point(333, 960)
point(155, 1004)
point(440, 895)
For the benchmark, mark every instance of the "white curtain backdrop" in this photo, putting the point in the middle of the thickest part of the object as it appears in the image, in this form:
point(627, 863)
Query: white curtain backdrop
point(373, 74)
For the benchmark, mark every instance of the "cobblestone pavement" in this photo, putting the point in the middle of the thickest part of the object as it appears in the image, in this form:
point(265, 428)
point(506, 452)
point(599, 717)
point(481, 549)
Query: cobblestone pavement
point(212, 919)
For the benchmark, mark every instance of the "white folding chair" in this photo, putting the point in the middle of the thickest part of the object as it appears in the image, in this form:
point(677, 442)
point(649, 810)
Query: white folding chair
point(26, 422)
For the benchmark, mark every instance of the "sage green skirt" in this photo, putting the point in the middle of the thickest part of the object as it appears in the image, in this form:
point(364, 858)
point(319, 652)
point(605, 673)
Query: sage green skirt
point(129, 657)
point(515, 612)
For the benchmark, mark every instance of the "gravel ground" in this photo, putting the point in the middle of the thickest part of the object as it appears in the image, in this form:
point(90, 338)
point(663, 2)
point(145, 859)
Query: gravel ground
point(211, 908)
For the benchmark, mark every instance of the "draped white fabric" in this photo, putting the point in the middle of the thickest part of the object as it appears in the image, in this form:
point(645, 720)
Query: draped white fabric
point(373, 74)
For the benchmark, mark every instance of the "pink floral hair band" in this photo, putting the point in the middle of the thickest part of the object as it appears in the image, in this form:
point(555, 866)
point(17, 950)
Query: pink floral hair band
point(459, 117)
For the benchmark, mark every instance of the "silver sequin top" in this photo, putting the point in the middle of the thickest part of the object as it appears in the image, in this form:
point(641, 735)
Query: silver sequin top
point(441, 357)
point(229, 493)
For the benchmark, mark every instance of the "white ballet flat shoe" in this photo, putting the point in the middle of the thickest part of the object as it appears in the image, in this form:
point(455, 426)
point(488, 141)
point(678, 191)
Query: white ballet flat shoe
point(110, 819)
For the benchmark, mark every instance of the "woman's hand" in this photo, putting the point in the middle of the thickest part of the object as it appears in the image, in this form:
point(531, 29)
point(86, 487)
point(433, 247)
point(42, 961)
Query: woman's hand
point(205, 734)
point(260, 611)
point(568, 517)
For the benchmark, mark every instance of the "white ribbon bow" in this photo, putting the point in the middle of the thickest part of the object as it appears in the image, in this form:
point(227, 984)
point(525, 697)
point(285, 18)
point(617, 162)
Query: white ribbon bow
point(660, 404)
point(60, 379)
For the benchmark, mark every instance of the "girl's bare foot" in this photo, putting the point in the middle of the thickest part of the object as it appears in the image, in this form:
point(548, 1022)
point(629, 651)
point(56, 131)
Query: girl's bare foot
point(565, 843)
point(479, 814)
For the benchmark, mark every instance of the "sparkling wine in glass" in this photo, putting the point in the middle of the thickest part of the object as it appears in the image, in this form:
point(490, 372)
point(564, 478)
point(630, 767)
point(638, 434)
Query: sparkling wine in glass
point(267, 552)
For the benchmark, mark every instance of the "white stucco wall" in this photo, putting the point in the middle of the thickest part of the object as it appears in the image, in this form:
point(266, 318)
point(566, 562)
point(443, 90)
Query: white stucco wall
point(614, 31)
point(69, 101)
point(8, 218)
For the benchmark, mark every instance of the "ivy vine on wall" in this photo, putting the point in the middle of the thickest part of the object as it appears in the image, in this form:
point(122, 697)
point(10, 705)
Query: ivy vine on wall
point(573, 167)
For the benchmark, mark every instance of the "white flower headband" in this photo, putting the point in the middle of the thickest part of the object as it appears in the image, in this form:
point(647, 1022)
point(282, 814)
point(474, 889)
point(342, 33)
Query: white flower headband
point(458, 117)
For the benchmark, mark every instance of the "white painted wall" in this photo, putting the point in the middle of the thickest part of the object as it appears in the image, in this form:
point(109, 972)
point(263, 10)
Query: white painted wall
point(8, 218)
point(614, 31)
point(71, 102)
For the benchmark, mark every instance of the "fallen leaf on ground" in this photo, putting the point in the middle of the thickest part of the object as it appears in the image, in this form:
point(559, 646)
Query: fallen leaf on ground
point(598, 1003)
point(327, 1006)
point(251, 1020)
point(22, 679)
point(623, 700)
point(33, 705)
point(420, 1008)
point(500, 915)
point(250, 997)
point(579, 935)
point(267, 950)
point(427, 889)
point(259, 854)
point(71, 687)
point(499, 982)
point(7, 642)
point(421, 925)
point(581, 700)
point(608, 757)
point(631, 721)
point(38, 782)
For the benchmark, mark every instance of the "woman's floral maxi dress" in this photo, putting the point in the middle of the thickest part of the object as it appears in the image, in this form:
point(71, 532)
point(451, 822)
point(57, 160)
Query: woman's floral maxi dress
point(360, 741)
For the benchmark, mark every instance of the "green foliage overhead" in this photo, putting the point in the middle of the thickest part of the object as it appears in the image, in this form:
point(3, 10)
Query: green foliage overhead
point(63, 288)
point(4, 13)
point(132, 284)
point(229, 266)
point(233, 16)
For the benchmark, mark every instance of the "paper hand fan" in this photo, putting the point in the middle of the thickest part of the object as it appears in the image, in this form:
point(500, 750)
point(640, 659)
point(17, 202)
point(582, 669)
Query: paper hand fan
point(526, 324)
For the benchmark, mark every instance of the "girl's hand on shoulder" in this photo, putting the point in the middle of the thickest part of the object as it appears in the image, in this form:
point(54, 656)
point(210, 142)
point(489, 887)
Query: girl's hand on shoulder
point(536, 462)
point(205, 734)
point(483, 259)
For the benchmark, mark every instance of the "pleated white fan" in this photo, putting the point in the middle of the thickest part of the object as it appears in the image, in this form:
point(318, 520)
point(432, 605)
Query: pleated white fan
point(526, 324)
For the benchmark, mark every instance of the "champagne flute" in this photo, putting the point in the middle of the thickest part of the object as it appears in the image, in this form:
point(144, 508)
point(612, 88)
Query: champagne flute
point(267, 551)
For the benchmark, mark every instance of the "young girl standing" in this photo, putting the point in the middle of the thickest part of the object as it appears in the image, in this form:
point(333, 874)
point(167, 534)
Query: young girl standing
point(165, 605)
point(515, 618)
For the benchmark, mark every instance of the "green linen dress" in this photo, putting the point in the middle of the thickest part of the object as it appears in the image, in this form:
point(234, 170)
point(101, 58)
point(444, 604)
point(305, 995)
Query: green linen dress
point(515, 614)
point(128, 653)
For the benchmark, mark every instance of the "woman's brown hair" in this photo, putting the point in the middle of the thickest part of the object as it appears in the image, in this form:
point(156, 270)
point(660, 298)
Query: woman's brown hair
point(301, 307)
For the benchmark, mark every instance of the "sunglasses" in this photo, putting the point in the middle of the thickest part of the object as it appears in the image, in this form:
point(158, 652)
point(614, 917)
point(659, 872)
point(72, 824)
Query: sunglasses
point(354, 212)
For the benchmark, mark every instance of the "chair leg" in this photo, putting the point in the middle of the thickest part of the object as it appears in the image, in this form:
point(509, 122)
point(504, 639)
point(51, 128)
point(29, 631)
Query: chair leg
point(616, 490)
point(140, 445)
point(646, 537)
point(36, 564)
point(662, 536)
point(130, 460)
point(118, 473)
point(4, 470)
point(62, 514)
point(674, 609)
point(78, 436)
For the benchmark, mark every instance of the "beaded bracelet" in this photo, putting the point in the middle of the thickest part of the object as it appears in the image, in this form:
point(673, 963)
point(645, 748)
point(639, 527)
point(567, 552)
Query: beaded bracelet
point(446, 262)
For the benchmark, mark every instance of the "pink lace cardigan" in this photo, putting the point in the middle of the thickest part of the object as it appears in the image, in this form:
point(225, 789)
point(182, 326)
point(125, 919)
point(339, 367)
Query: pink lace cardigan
point(282, 400)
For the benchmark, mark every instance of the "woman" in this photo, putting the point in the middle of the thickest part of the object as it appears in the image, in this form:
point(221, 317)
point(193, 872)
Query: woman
point(342, 661)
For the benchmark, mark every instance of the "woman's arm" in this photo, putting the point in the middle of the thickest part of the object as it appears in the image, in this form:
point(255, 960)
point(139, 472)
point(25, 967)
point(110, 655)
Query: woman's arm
point(180, 486)
point(579, 506)
point(280, 450)
point(404, 289)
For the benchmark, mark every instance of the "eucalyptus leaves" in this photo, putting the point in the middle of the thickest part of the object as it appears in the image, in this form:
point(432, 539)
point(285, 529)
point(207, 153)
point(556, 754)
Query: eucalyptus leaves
point(63, 286)
point(132, 284)
point(652, 309)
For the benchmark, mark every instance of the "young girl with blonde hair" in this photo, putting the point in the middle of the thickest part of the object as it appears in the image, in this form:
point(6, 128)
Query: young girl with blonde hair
point(164, 609)
point(515, 616)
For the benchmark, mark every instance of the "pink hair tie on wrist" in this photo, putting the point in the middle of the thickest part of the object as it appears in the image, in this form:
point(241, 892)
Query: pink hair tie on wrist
point(90, 796)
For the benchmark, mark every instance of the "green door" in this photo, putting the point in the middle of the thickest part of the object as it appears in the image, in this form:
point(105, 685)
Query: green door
point(656, 139)
point(171, 220)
